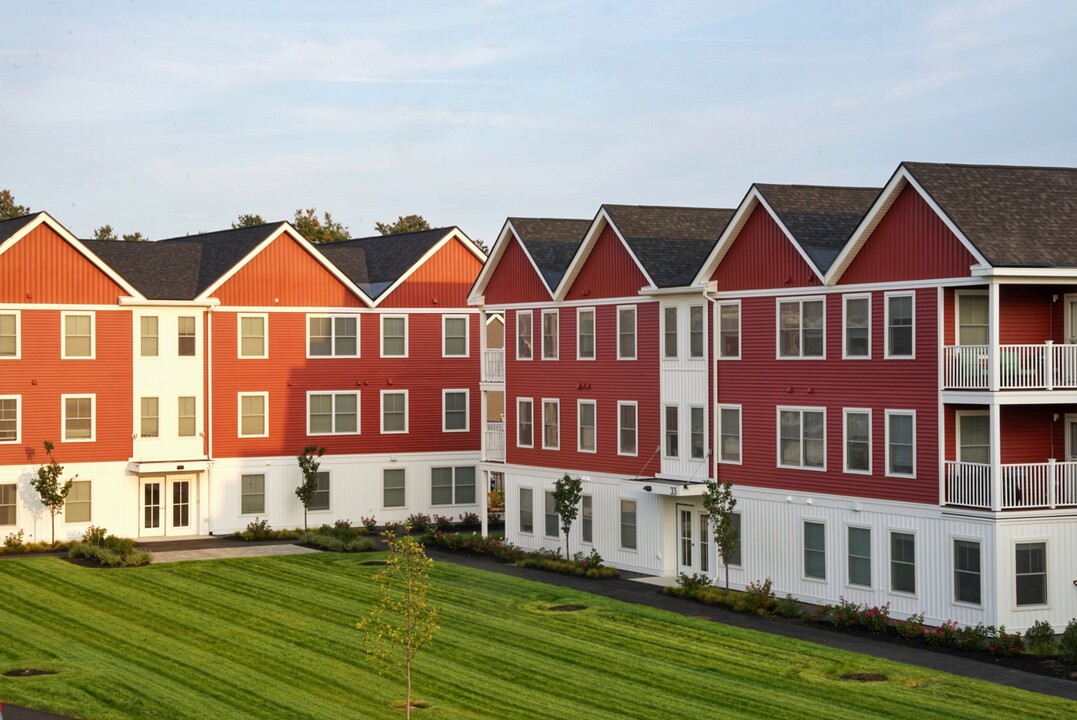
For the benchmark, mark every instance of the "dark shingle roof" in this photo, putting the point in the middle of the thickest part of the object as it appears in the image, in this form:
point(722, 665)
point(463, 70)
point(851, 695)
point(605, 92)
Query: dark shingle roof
point(160, 271)
point(220, 251)
point(375, 263)
point(12, 225)
point(1015, 216)
point(551, 243)
point(820, 218)
point(671, 242)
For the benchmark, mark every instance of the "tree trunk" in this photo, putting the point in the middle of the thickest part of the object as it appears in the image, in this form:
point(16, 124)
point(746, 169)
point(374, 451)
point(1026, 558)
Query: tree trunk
point(53, 513)
point(726, 575)
point(304, 518)
point(408, 706)
point(566, 545)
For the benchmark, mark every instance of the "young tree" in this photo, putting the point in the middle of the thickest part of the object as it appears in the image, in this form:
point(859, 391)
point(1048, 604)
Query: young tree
point(52, 492)
point(566, 501)
point(308, 465)
point(9, 208)
point(403, 621)
point(105, 232)
point(719, 503)
point(248, 220)
point(403, 224)
point(326, 230)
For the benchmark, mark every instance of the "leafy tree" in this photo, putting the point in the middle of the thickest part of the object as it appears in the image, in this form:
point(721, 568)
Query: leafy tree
point(403, 224)
point(719, 503)
point(566, 501)
point(326, 230)
point(482, 245)
point(52, 492)
point(135, 237)
point(105, 232)
point(9, 208)
point(403, 621)
point(308, 465)
point(247, 220)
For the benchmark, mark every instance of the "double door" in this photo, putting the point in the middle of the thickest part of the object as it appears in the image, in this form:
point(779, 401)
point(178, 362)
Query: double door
point(695, 551)
point(167, 505)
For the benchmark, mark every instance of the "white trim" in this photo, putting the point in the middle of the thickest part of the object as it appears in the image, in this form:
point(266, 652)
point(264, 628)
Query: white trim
point(239, 335)
point(381, 413)
point(93, 334)
point(454, 232)
point(142, 417)
point(890, 530)
point(1067, 420)
point(635, 407)
point(887, 297)
point(718, 333)
point(800, 409)
point(590, 239)
point(531, 402)
point(520, 508)
point(556, 402)
point(594, 333)
point(403, 469)
point(958, 294)
point(381, 325)
point(258, 472)
point(664, 331)
point(620, 523)
point(17, 314)
point(635, 332)
point(587, 302)
point(556, 315)
point(740, 432)
point(728, 236)
point(579, 426)
point(845, 298)
point(1036, 540)
point(445, 335)
point(900, 413)
point(530, 334)
point(332, 318)
point(953, 569)
point(800, 327)
point(467, 410)
point(858, 287)
point(848, 557)
point(239, 413)
point(845, 412)
point(333, 412)
point(804, 550)
point(504, 239)
point(93, 416)
point(789, 236)
point(702, 307)
point(703, 410)
point(665, 430)
point(18, 419)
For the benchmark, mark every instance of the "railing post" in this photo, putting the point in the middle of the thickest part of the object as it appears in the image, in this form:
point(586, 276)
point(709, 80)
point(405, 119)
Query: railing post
point(995, 468)
point(1052, 500)
point(1049, 365)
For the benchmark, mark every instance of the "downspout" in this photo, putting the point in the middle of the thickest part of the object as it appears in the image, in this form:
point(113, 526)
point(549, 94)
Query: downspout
point(209, 417)
point(709, 292)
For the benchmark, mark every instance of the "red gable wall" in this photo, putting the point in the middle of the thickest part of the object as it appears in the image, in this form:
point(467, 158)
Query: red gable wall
point(444, 280)
point(42, 267)
point(762, 257)
point(514, 279)
point(609, 271)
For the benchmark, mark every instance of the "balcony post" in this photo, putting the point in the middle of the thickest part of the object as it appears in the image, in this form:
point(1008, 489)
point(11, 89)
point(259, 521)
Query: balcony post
point(996, 456)
point(1052, 470)
point(993, 336)
point(1049, 364)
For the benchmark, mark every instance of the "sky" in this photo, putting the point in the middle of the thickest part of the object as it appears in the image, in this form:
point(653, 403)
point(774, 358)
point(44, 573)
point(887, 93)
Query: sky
point(174, 118)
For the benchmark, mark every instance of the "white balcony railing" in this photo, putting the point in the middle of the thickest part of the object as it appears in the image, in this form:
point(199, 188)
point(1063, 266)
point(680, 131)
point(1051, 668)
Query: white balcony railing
point(493, 365)
point(1021, 367)
point(1022, 485)
point(494, 447)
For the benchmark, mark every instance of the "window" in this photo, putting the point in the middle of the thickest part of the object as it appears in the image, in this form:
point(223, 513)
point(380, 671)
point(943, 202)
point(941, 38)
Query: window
point(626, 428)
point(523, 334)
point(802, 438)
point(698, 437)
point(903, 562)
point(899, 326)
point(549, 334)
point(1031, 579)
point(8, 507)
point(704, 543)
point(78, 417)
point(394, 336)
point(901, 443)
point(669, 333)
point(735, 556)
point(185, 336)
point(187, 423)
point(860, 556)
point(150, 423)
point(814, 550)
point(333, 413)
point(585, 416)
point(695, 331)
point(671, 431)
point(78, 506)
point(149, 344)
point(551, 517)
point(973, 437)
point(452, 485)
point(394, 411)
point(801, 328)
point(252, 494)
point(393, 488)
point(586, 518)
point(252, 336)
point(551, 424)
point(729, 433)
point(454, 336)
point(9, 335)
point(78, 329)
point(252, 415)
point(857, 320)
point(525, 419)
point(967, 571)
point(585, 334)
point(9, 419)
point(454, 410)
point(333, 336)
point(320, 499)
point(857, 441)
point(729, 331)
point(628, 524)
point(527, 510)
point(972, 321)
point(626, 333)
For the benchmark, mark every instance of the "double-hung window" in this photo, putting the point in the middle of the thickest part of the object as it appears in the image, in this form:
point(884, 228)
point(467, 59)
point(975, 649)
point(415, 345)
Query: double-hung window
point(857, 440)
point(698, 439)
point(8, 503)
point(669, 333)
point(253, 342)
point(332, 336)
point(332, 413)
point(626, 428)
point(585, 334)
point(454, 334)
point(252, 494)
point(903, 562)
point(78, 417)
point(9, 335)
point(394, 411)
point(525, 422)
point(549, 335)
point(552, 519)
point(814, 550)
point(901, 443)
point(79, 504)
point(9, 419)
point(185, 336)
point(586, 518)
point(523, 335)
point(626, 333)
point(628, 525)
point(187, 419)
point(452, 485)
point(695, 331)
point(394, 336)
point(729, 331)
point(856, 315)
point(150, 418)
point(393, 488)
point(672, 431)
point(972, 318)
point(729, 433)
point(455, 410)
point(802, 438)
point(551, 424)
point(900, 318)
point(1031, 576)
point(527, 510)
point(860, 556)
point(148, 338)
point(78, 335)
point(967, 571)
point(253, 411)
point(801, 329)
point(320, 499)
point(586, 419)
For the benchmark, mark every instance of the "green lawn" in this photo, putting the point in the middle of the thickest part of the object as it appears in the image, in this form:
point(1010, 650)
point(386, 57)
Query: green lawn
point(275, 638)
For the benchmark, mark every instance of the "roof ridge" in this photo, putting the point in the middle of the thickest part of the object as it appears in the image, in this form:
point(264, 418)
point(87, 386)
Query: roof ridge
point(989, 166)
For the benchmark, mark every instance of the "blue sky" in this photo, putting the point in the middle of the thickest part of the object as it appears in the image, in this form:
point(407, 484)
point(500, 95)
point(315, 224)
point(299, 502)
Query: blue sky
point(173, 118)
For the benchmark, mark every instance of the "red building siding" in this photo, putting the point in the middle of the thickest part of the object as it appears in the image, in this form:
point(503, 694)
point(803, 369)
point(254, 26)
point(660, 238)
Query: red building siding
point(444, 280)
point(1030, 434)
point(608, 272)
point(763, 257)
point(42, 267)
point(514, 279)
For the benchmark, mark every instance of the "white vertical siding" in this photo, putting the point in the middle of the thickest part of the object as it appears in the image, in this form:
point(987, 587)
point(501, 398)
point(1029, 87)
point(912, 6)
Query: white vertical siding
point(684, 384)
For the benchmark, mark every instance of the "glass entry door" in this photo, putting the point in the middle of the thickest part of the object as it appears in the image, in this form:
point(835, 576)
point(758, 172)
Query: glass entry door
point(179, 514)
point(151, 495)
point(168, 505)
point(693, 541)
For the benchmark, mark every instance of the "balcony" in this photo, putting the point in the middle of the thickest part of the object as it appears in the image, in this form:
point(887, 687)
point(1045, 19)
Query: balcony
point(1021, 367)
point(493, 365)
point(1023, 486)
point(494, 442)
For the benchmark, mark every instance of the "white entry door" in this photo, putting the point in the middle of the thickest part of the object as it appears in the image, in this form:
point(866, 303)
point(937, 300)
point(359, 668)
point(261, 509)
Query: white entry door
point(693, 541)
point(168, 505)
point(181, 504)
point(150, 499)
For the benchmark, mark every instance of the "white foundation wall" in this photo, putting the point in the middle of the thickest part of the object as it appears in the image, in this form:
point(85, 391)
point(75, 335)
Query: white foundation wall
point(1060, 536)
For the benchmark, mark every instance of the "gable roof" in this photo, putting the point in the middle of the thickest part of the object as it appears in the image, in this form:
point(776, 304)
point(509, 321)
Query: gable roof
point(160, 271)
point(13, 225)
point(218, 252)
point(551, 243)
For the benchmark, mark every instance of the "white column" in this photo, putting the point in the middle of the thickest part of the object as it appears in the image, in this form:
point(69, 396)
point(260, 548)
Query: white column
point(993, 335)
point(484, 510)
point(996, 456)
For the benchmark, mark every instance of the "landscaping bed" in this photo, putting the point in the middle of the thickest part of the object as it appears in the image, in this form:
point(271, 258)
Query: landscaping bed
point(495, 546)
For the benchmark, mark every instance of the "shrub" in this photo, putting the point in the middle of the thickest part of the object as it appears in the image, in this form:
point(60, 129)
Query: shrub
point(333, 542)
point(695, 581)
point(370, 523)
point(111, 551)
point(1006, 644)
point(759, 596)
point(257, 530)
point(876, 619)
point(591, 559)
point(846, 614)
point(419, 522)
point(14, 541)
point(393, 527)
point(567, 567)
point(94, 535)
point(470, 520)
point(1067, 646)
point(944, 635)
point(1040, 639)
point(495, 517)
point(974, 638)
point(343, 524)
point(911, 628)
point(443, 522)
point(788, 607)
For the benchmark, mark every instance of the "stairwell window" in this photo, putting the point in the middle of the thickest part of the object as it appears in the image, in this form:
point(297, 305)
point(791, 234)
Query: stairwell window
point(585, 334)
point(698, 438)
point(185, 340)
point(729, 434)
point(150, 422)
point(549, 335)
point(252, 336)
point(801, 329)
point(729, 331)
point(586, 518)
point(856, 316)
point(903, 562)
point(149, 340)
point(695, 331)
point(523, 335)
point(78, 335)
point(860, 556)
point(627, 428)
point(669, 333)
point(187, 419)
point(552, 519)
point(671, 423)
point(900, 333)
point(857, 440)
point(626, 333)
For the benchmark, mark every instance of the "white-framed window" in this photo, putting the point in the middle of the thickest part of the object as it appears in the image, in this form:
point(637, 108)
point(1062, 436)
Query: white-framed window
point(735, 556)
point(9, 496)
point(856, 326)
point(857, 449)
point(802, 328)
point(551, 424)
point(550, 335)
point(671, 427)
point(525, 422)
point(550, 516)
point(252, 493)
point(332, 413)
point(394, 411)
point(9, 335)
point(973, 319)
point(149, 344)
point(254, 414)
point(452, 485)
point(78, 508)
point(587, 516)
point(393, 487)
point(187, 416)
point(149, 418)
point(320, 499)
point(1030, 573)
point(729, 446)
point(77, 330)
point(900, 325)
point(627, 428)
point(186, 336)
point(10, 420)
point(669, 332)
point(394, 335)
point(973, 436)
point(79, 413)
point(455, 336)
point(253, 335)
point(967, 571)
point(698, 435)
point(454, 410)
point(332, 336)
point(629, 541)
point(814, 550)
point(901, 443)
point(802, 438)
point(729, 330)
point(859, 556)
point(902, 562)
point(696, 334)
point(527, 510)
point(587, 425)
point(626, 332)
point(524, 345)
point(585, 333)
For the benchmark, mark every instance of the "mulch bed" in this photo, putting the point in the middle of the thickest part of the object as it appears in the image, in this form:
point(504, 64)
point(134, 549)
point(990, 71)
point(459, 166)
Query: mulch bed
point(567, 608)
